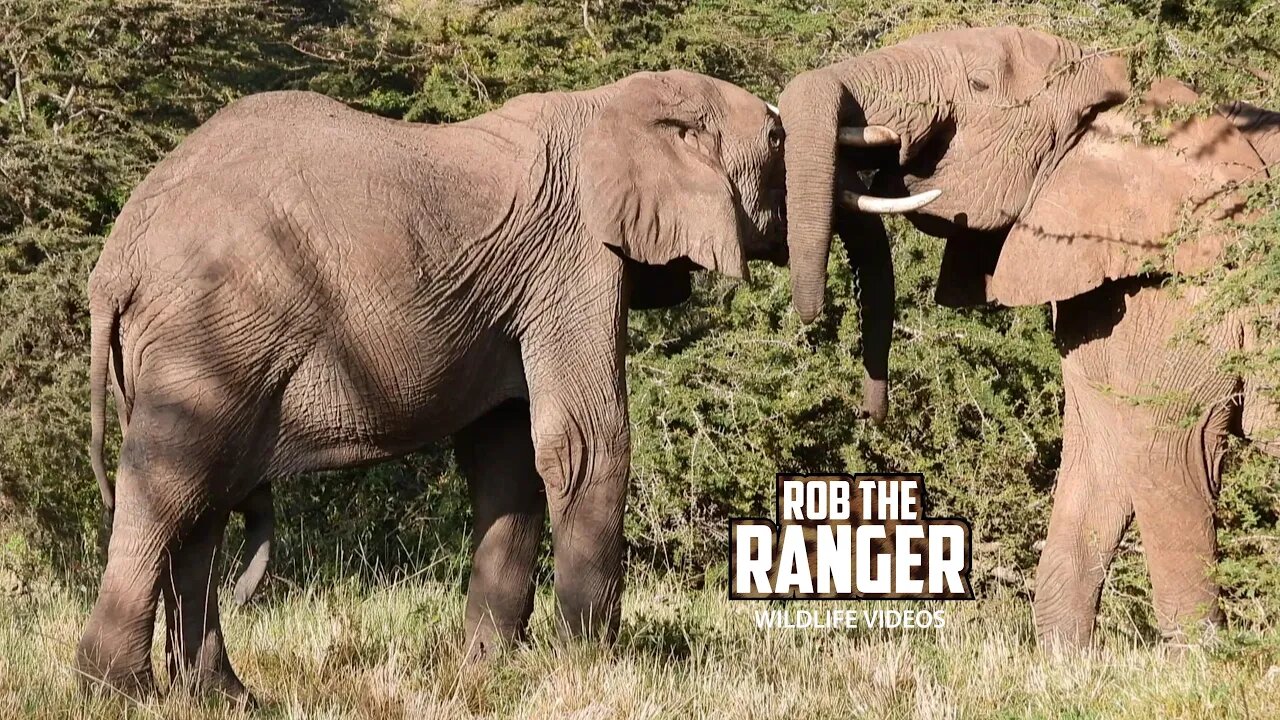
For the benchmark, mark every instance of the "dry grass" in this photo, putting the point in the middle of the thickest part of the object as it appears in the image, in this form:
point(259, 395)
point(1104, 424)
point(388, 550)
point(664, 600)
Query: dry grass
point(394, 650)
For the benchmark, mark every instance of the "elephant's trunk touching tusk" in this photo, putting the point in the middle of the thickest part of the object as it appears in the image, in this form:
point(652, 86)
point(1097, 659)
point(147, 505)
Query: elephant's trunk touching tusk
point(887, 206)
point(869, 136)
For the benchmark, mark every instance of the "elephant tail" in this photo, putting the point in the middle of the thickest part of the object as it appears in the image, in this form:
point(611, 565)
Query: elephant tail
point(104, 339)
point(104, 346)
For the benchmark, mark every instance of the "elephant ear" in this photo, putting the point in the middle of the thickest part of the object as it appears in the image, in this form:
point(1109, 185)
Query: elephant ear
point(1112, 206)
point(651, 180)
point(1260, 127)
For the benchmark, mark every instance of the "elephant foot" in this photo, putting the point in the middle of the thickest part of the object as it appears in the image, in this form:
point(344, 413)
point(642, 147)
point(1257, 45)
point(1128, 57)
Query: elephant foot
point(207, 672)
point(1204, 633)
point(596, 621)
point(487, 640)
point(1058, 641)
point(110, 673)
point(1063, 627)
point(221, 685)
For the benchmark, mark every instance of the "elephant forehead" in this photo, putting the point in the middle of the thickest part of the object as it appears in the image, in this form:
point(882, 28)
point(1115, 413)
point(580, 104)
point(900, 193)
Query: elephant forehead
point(748, 115)
point(1018, 43)
point(736, 98)
point(737, 109)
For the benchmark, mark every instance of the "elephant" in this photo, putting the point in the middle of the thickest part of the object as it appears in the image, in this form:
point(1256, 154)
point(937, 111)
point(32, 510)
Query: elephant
point(1016, 147)
point(302, 286)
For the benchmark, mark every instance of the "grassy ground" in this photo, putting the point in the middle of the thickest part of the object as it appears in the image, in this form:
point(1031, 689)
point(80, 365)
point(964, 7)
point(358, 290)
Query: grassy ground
point(394, 650)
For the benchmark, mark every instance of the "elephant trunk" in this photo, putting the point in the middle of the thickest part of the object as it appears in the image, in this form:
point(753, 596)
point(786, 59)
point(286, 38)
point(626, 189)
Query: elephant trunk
point(810, 109)
point(867, 244)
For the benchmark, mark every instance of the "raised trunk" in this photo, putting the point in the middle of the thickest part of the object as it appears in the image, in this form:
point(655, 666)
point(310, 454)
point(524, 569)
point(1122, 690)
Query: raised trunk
point(810, 108)
point(813, 107)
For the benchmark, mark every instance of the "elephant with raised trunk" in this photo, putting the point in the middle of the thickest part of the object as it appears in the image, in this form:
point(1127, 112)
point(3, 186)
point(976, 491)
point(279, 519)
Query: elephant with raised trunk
point(1047, 193)
point(301, 286)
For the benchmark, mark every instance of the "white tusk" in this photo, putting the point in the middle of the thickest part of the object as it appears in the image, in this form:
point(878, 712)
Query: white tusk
point(869, 136)
point(886, 206)
point(774, 109)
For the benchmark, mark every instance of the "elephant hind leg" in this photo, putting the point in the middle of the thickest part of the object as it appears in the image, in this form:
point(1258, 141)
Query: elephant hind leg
point(195, 649)
point(496, 454)
point(1091, 511)
point(115, 647)
point(171, 484)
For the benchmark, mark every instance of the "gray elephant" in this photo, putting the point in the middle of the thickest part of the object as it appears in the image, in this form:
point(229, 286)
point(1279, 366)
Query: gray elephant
point(1048, 194)
point(302, 286)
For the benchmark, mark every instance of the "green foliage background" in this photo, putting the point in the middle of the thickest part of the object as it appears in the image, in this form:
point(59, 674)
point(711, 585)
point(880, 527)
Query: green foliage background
point(724, 390)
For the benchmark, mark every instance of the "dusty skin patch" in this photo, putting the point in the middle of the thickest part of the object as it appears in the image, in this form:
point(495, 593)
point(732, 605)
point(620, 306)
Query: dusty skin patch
point(394, 650)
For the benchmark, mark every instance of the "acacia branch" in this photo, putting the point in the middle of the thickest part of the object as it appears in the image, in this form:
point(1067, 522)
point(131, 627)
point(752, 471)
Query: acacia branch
point(586, 25)
point(17, 88)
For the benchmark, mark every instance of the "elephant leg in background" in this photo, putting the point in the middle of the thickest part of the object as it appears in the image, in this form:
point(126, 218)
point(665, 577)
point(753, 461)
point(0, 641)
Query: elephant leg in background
point(259, 530)
point(1091, 510)
point(1174, 494)
point(194, 647)
point(496, 455)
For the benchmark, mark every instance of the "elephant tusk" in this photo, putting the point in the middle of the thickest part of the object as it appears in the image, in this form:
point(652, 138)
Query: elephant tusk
point(869, 136)
point(885, 206)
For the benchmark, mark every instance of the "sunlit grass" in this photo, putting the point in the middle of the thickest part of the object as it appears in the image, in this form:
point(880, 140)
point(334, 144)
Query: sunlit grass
point(395, 650)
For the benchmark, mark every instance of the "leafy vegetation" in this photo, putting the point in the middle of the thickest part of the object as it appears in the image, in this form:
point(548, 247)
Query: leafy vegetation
point(724, 391)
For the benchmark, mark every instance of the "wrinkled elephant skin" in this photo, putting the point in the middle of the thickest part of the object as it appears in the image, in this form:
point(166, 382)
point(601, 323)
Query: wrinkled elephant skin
point(301, 286)
point(1050, 194)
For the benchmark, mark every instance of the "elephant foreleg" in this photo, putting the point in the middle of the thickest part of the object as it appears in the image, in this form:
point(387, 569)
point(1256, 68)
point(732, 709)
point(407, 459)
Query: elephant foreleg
point(1175, 505)
point(582, 452)
point(496, 455)
point(1091, 510)
point(586, 531)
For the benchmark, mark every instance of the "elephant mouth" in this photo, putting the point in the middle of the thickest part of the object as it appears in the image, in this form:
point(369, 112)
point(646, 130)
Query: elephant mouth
point(873, 154)
point(776, 237)
point(883, 169)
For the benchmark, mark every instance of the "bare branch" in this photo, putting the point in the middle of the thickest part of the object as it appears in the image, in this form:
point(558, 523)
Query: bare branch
point(586, 25)
point(17, 88)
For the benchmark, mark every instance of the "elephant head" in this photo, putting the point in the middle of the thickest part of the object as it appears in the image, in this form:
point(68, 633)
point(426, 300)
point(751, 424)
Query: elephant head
point(1044, 192)
point(962, 126)
point(679, 172)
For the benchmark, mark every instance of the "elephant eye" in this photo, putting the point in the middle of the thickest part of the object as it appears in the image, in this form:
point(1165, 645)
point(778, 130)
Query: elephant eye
point(978, 84)
point(775, 139)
